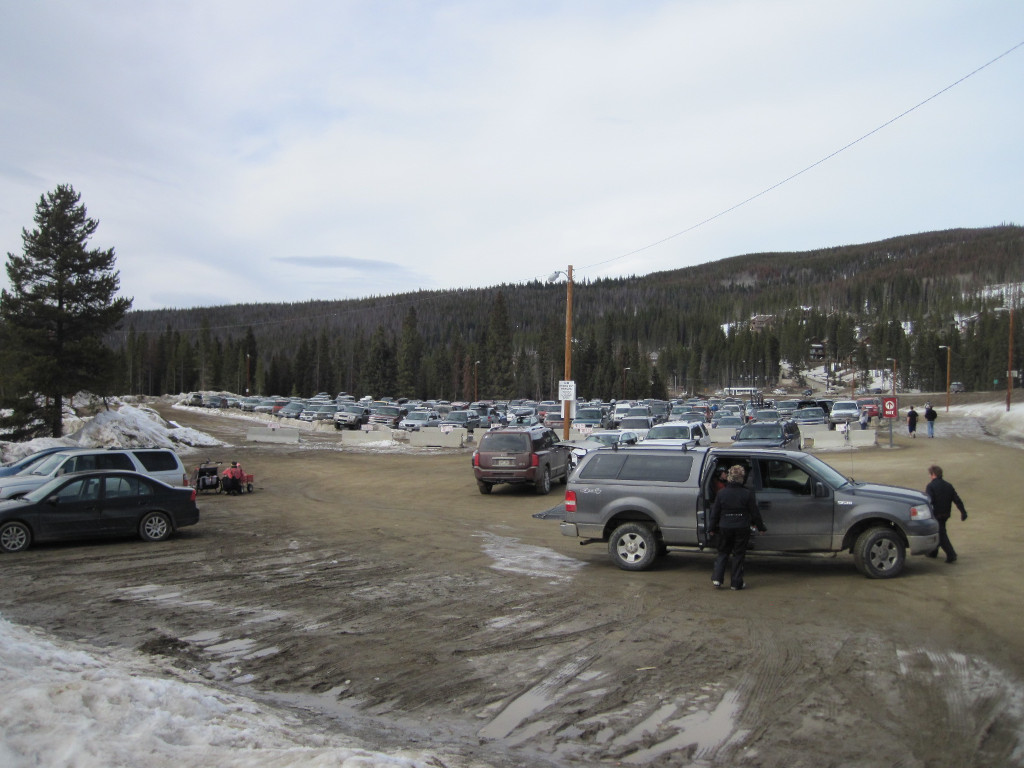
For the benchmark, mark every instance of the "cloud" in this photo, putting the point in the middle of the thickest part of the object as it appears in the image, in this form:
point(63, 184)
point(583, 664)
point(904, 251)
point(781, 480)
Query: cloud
point(447, 144)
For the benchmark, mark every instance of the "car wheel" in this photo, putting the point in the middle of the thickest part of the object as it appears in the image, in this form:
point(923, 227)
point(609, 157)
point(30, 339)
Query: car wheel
point(634, 547)
point(485, 488)
point(543, 486)
point(155, 526)
point(14, 537)
point(879, 553)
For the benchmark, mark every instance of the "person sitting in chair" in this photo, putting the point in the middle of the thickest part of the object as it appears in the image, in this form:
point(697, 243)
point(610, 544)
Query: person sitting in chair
point(232, 479)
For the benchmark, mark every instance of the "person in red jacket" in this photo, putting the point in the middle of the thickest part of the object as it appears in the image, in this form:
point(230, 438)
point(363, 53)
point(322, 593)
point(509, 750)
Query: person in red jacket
point(233, 478)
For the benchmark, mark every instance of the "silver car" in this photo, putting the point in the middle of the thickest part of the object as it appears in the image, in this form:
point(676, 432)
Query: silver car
point(417, 420)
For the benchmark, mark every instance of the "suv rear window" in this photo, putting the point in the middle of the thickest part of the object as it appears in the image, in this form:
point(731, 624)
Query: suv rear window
point(617, 466)
point(157, 461)
point(505, 442)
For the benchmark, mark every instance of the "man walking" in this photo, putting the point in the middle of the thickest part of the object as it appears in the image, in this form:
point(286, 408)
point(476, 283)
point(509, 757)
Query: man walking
point(943, 496)
point(733, 514)
point(912, 422)
point(930, 416)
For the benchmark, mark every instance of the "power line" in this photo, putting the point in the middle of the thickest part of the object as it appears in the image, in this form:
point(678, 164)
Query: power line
point(827, 157)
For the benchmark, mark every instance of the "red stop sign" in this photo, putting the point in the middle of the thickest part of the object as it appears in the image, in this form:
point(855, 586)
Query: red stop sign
point(890, 407)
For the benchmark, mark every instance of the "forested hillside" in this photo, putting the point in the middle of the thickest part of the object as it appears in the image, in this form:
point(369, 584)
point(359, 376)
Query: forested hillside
point(695, 329)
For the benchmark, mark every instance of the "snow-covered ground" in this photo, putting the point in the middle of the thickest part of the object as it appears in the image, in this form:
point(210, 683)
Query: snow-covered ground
point(70, 705)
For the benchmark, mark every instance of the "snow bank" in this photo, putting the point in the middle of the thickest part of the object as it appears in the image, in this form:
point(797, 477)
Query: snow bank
point(67, 706)
point(126, 427)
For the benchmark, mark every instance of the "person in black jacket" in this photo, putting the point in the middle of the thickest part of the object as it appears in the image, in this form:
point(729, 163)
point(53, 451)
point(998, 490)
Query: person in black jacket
point(733, 514)
point(943, 496)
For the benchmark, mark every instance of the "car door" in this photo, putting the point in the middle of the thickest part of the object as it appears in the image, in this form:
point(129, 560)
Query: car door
point(124, 498)
point(72, 511)
point(796, 519)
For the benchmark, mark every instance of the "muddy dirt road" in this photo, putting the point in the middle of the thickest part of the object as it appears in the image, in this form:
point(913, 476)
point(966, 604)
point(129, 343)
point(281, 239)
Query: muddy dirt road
point(380, 595)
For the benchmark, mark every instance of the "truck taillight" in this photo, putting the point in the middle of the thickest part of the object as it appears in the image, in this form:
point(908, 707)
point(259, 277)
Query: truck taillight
point(184, 480)
point(534, 460)
point(570, 501)
point(476, 459)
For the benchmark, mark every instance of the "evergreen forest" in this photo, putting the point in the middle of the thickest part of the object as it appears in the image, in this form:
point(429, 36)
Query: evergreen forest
point(910, 304)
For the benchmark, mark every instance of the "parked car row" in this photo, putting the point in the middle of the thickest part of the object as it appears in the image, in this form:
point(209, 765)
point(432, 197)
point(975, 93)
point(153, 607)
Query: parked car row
point(78, 493)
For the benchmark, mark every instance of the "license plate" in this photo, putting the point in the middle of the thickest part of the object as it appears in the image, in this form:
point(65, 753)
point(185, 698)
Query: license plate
point(504, 462)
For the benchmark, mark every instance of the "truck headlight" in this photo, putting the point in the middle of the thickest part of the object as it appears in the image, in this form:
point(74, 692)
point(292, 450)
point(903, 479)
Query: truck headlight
point(921, 513)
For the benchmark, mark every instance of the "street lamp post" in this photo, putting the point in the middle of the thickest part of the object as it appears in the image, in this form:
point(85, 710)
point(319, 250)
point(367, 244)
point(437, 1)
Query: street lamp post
point(624, 370)
point(566, 405)
point(948, 363)
point(476, 381)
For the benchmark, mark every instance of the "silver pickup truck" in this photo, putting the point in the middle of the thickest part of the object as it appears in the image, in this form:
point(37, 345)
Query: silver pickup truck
point(641, 501)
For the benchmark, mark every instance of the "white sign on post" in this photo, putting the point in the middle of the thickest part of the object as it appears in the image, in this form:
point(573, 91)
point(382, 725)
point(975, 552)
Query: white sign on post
point(566, 390)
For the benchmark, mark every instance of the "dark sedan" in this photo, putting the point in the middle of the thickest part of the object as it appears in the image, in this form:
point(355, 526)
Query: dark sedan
point(93, 505)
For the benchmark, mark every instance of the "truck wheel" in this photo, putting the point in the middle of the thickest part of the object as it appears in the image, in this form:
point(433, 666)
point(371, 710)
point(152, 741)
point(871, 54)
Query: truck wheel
point(543, 486)
point(634, 547)
point(879, 553)
point(485, 488)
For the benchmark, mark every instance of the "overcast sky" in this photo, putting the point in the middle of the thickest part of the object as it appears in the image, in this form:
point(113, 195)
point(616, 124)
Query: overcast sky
point(247, 151)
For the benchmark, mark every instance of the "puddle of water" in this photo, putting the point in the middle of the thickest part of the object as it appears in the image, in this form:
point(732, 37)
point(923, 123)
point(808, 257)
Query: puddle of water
point(535, 700)
point(704, 730)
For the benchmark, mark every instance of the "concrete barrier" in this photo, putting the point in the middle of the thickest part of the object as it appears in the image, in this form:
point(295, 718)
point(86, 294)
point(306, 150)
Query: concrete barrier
point(272, 435)
point(362, 436)
point(435, 438)
point(809, 434)
point(855, 438)
point(863, 438)
point(826, 441)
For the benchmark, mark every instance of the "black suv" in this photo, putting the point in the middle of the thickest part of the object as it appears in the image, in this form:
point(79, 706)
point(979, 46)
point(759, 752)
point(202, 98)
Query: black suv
point(520, 455)
point(784, 433)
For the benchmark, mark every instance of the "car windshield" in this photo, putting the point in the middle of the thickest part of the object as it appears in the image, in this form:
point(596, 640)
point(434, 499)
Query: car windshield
point(670, 432)
point(458, 416)
point(760, 432)
point(46, 466)
point(767, 415)
point(633, 422)
point(810, 413)
point(418, 416)
point(605, 438)
point(44, 490)
point(388, 410)
point(588, 413)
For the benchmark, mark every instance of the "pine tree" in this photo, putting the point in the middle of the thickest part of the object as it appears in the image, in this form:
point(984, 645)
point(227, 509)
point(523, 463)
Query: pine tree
point(498, 379)
point(61, 304)
point(410, 350)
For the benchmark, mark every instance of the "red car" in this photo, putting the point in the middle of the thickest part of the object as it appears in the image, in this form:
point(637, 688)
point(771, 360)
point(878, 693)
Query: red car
point(870, 404)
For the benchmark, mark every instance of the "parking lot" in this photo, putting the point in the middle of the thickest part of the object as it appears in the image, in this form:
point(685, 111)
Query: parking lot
point(378, 593)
